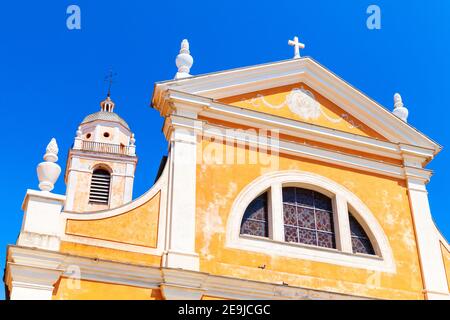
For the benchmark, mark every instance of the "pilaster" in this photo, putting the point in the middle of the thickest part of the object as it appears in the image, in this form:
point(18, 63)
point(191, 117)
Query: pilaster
point(180, 252)
point(432, 264)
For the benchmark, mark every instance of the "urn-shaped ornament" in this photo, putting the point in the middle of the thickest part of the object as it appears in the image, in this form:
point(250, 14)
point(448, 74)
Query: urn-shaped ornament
point(48, 171)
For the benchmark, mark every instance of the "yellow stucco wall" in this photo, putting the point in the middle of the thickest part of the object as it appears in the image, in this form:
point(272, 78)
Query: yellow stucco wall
point(219, 185)
point(273, 101)
point(70, 289)
point(138, 226)
point(102, 253)
point(217, 188)
point(446, 257)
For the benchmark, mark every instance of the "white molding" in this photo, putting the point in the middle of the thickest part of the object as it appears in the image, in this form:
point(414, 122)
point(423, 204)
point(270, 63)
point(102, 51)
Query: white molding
point(306, 70)
point(209, 108)
point(174, 283)
point(181, 209)
point(92, 155)
point(316, 153)
point(27, 282)
point(44, 196)
point(384, 262)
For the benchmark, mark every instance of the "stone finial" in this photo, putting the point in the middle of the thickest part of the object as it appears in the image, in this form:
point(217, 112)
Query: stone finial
point(132, 148)
point(51, 152)
point(48, 171)
point(78, 143)
point(184, 61)
point(399, 109)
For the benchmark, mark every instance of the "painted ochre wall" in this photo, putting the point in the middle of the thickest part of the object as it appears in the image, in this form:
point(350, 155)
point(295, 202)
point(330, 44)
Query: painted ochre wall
point(67, 289)
point(446, 256)
point(387, 198)
point(219, 185)
point(217, 188)
point(138, 226)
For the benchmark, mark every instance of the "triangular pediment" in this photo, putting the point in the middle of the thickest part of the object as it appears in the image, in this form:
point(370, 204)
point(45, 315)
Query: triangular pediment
point(300, 102)
point(303, 90)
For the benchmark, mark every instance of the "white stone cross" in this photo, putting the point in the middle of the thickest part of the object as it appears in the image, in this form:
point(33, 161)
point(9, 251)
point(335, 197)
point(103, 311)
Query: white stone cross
point(297, 46)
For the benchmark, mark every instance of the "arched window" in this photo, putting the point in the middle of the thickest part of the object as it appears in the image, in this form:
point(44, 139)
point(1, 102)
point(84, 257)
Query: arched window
point(308, 217)
point(100, 186)
point(360, 241)
point(255, 220)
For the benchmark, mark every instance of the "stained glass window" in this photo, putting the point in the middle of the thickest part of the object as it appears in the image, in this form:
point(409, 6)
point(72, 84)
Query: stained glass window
point(308, 217)
point(360, 241)
point(255, 220)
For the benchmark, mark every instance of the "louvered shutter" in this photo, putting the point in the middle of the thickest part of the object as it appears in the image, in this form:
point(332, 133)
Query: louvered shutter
point(100, 185)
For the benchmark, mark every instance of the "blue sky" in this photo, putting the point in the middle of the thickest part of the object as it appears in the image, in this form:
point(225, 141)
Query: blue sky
point(51, 77)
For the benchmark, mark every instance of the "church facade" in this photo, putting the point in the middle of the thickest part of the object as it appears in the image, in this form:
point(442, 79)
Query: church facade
point(282, 181)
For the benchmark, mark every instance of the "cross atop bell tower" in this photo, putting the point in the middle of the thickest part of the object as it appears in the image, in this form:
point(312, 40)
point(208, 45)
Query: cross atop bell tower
point(110, 80)
point(107, 105)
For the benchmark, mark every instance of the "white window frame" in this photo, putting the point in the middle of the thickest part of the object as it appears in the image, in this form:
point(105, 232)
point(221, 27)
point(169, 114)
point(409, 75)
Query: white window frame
point(343, 200)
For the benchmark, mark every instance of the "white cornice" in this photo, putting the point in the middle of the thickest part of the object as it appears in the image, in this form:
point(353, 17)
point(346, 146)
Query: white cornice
point(250, 79)
point(45, 195)
point(208, 108)
point(302, 150)
point(59, 264)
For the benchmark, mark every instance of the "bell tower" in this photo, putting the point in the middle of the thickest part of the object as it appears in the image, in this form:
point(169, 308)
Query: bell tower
point(101, 164)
